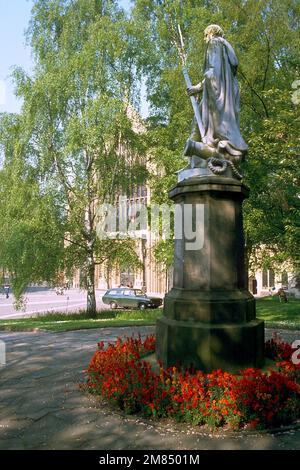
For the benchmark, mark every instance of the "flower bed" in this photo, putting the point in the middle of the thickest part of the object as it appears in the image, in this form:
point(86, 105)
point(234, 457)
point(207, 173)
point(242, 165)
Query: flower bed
point(252, 398)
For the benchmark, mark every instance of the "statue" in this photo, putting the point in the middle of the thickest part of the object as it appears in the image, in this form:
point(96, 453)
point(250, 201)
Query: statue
point(216, 142)
point(209, 317)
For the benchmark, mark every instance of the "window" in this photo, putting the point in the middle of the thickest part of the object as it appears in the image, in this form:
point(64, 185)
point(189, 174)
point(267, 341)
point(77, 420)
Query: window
point(268, 278)
point(129, 293)
point(271, 278)
point(139, 292)
point(265, 278)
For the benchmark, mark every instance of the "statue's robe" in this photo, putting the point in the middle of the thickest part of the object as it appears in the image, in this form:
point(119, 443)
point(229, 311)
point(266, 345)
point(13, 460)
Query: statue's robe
point(220, 104)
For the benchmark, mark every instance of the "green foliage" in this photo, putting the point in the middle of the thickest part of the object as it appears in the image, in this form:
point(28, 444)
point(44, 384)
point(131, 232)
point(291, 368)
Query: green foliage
point(272, 214)
point(123, 253)
point(31, 230)
point(78, 122)
point(164, 254)
point(265, 35)
point(76, 142)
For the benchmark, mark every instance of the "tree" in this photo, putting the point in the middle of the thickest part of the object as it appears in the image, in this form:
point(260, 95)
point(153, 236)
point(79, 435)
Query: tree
point(265, 35)
point(272, 214)
point(31, 241)
point(122, 256)
point(76, 118)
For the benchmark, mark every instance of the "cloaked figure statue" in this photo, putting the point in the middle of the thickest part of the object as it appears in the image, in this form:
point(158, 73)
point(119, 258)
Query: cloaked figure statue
point(220, 105)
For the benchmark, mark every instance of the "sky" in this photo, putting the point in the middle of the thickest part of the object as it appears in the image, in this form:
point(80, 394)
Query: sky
point(14, 20)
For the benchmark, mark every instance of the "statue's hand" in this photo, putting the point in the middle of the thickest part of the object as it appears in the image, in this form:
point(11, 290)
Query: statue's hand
point(194, 90)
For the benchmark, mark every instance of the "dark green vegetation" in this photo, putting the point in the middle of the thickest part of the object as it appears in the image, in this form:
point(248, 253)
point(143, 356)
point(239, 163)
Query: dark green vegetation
point(265, 36)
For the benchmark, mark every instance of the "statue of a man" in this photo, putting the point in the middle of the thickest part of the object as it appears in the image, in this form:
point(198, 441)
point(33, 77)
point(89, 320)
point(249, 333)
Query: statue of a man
point(220, 104)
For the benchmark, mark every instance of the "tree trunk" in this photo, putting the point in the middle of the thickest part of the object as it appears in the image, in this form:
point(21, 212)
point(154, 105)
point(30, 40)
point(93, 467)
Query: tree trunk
point(144, 257)
point(107, 276)
point(89, 219)
point(91, 310)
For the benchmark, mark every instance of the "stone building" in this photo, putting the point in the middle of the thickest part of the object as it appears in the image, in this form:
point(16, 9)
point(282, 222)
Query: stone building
point(264, 281)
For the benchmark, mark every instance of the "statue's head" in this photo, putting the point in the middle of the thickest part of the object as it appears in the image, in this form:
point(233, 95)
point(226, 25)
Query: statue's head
point(212, 31)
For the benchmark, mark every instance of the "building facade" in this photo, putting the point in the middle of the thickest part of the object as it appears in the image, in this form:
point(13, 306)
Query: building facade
point(267, 281)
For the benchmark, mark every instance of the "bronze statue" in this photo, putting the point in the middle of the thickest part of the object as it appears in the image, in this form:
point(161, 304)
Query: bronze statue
point(217, 137)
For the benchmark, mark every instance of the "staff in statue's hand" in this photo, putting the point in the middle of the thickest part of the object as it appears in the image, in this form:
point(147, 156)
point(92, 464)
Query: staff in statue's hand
point(194, 90)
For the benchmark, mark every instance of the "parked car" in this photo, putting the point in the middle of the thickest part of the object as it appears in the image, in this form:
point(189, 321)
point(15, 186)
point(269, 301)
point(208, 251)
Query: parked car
point(130, 298)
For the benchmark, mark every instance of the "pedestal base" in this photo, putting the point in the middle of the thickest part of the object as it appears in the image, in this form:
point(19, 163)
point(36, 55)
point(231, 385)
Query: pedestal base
point(229, 347)
point(209, 315)
point(214, 306)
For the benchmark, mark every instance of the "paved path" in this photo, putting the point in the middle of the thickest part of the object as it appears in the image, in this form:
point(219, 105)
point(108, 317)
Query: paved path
point(41, 406)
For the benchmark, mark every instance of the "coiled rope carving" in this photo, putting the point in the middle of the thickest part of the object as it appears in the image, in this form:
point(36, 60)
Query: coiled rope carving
point(218, 167)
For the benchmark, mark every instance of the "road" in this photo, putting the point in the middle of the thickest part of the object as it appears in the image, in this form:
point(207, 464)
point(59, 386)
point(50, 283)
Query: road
point(47, 301)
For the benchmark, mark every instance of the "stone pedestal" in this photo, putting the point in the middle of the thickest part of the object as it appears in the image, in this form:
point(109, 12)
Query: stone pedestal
point(209, 315)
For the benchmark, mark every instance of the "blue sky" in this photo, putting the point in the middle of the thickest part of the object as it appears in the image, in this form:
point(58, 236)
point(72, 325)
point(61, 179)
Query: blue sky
point(14, 19)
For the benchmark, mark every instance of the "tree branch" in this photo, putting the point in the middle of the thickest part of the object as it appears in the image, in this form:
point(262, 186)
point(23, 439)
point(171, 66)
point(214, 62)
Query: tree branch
point(255, 93)
point(75, 243)
point(268, 62)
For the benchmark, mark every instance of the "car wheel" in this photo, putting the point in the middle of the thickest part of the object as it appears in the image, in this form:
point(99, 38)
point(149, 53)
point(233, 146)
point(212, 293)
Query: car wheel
point(113, 305)
point(142, 306)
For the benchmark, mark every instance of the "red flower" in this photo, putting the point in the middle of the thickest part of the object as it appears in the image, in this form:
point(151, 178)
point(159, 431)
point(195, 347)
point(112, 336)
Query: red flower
point(251, 397)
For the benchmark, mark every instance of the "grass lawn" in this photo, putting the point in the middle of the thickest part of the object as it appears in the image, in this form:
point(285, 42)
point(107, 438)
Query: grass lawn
point(77, 321)
point(274, 313)
point(279, 314)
